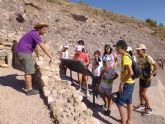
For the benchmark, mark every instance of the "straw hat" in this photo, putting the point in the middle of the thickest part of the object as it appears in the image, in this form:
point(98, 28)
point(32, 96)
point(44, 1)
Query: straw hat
point(141, 47)
point(40, 25)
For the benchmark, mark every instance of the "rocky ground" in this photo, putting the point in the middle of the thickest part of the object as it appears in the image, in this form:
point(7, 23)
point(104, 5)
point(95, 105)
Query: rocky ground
point(15, 106)
point(157, 98)
point(61, 101)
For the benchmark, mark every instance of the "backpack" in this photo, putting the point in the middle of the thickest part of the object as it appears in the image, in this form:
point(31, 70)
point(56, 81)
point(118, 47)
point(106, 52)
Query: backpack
point(146, 70)
point(135, 68)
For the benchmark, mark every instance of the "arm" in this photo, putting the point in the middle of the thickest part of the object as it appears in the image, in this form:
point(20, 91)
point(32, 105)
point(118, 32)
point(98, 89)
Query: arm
point(114, 77)
point(45, 50)
point(37, 51)
point(116, 62)
point(153, 72)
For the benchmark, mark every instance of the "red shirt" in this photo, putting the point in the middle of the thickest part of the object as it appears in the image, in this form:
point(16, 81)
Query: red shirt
point(82, 57)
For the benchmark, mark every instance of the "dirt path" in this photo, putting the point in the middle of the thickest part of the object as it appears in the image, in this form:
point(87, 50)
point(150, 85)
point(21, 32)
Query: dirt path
point(156, 99)
point(15, 106)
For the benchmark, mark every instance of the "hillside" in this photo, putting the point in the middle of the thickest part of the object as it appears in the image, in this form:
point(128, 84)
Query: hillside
point(59, 101)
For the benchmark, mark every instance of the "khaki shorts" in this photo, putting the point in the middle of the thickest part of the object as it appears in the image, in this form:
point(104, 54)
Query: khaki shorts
point(28, 62)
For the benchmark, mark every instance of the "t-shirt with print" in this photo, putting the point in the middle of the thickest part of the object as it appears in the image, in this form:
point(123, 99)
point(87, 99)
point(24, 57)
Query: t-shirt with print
point(106, 77)
point(112, 57)
point(28, 42)
point(126, 60)
point(96, 69)
point(143, 61)
point(64, 55)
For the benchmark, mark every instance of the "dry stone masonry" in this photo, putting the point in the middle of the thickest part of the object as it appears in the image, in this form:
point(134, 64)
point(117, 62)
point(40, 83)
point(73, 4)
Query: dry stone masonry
point(64, 101)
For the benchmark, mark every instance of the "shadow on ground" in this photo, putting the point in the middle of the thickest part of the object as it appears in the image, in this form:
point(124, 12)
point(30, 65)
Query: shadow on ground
point(13, 82)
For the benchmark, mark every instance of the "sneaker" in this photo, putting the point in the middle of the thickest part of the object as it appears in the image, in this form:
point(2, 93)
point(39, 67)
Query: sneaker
point(79, 90)
point(87, 94)
point(32, 92)
point(140, 108)
point(104, 107)
point(147, 112)
point(107, 112)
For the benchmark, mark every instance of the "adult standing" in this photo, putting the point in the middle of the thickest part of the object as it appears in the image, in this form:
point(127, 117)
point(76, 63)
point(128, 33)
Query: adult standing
point(24, 49)
point(148, 68)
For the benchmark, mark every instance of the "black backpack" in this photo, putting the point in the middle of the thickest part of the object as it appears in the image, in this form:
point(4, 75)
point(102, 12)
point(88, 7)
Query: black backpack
point(135, 69)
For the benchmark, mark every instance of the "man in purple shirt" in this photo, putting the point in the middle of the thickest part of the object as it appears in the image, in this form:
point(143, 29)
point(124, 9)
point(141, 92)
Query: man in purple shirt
point(27, 44)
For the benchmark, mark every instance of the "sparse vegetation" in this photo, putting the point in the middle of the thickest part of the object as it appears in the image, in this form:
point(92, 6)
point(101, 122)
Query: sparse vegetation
point(151, 22)
point(159, 29)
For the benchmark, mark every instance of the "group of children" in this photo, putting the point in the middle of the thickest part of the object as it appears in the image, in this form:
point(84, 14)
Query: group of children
point(104, 70)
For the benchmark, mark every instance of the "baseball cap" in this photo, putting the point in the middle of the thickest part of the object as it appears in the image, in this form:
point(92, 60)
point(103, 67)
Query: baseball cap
point(66, 46)
point(120, 43)
point(141, 47)
point(129, 49)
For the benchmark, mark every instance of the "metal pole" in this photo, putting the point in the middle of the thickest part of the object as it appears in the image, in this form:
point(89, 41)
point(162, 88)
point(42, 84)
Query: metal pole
point(93, 88)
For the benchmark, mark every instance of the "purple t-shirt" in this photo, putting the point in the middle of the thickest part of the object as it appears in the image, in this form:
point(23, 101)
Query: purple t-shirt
point(28, 42)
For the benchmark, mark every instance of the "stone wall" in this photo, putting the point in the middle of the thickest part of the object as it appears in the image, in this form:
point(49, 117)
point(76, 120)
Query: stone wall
point(63, 100)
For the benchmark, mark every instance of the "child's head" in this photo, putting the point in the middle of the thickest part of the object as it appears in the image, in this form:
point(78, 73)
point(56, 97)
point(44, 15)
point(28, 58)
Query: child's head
point(141, 50)
point(129, 51)
point(81, 42)
point(97, 53)
point(121, 46)
point(65, 47)
point(79, 49)
point(107, 49)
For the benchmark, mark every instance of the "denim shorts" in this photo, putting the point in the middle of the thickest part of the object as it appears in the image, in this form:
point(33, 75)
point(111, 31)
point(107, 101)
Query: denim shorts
point(126, 96)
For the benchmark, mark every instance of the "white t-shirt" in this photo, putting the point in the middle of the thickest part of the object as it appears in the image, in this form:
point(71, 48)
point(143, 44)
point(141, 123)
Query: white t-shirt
point(64, 55)
point(106, 77)
point(96, 69)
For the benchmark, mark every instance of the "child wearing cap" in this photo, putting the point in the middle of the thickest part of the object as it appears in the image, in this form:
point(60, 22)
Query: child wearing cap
point(148, 70)
point(127, 83)
point(130, 52)
point(64, 55)
point(79, 55)
point(108, 75)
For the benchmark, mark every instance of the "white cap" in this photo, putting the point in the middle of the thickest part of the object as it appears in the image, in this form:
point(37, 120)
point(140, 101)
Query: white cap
point(129, 49)
point(141, 47)
point(66, 45)
point(78, 48)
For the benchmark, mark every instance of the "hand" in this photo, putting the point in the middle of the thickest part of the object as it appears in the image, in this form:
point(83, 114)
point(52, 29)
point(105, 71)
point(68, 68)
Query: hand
point(121, 88)
point(50, 61)
point(149, 78)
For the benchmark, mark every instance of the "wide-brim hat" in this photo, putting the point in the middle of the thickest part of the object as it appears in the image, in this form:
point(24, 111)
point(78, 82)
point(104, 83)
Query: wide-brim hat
point(141, 47)
point(40, 25)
